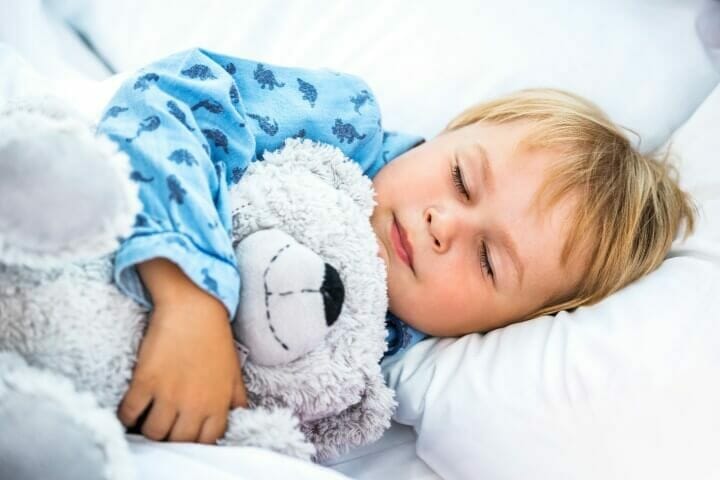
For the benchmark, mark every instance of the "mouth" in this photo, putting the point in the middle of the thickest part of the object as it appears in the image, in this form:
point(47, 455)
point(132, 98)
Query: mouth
point(400, 243)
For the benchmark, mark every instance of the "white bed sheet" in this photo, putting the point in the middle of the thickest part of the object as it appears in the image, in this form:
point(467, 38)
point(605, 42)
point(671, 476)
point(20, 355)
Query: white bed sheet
point(186, 461)
point(393, 456)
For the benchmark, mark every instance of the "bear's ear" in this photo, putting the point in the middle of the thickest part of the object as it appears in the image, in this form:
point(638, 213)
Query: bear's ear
point(330, 164)
point(65, 194)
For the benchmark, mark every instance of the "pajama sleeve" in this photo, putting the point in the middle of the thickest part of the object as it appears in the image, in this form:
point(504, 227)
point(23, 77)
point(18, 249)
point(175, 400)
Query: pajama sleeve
point(191, 124)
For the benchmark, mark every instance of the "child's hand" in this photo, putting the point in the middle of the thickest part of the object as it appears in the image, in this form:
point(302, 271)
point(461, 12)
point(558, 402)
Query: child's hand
point(187, 374)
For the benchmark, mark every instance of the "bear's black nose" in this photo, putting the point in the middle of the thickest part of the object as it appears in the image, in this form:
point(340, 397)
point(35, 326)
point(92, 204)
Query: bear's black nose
point(333, 293)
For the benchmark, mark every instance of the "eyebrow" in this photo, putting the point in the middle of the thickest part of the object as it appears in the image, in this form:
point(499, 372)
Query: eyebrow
point(488, 182)
point(487, 178)
point(509, 245)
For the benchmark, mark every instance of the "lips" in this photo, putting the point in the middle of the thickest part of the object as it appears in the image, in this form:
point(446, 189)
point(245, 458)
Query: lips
point(401, 244)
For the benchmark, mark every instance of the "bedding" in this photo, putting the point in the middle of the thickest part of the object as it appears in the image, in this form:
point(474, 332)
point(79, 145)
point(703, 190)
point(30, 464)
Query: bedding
point(623, 389)
point(183, 461)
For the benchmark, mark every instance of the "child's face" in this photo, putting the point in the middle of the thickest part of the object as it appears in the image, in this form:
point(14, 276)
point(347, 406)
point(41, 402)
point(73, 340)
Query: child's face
point(462, 277)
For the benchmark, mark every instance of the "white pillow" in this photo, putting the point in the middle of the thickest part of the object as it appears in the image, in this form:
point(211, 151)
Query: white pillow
point(40, 55)
point(48, 44)
point(88, 96)
point(628, 388)
point(22, 80)
point(426, 61)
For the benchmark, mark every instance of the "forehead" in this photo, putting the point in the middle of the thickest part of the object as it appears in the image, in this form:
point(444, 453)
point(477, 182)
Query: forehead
point(504, 137)
point(541, 231)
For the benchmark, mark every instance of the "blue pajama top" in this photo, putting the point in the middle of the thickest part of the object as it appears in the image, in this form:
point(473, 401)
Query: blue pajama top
point(192, 122)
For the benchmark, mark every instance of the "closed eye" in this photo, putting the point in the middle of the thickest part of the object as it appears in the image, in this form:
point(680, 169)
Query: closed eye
point(485, 261)
point(458, 180)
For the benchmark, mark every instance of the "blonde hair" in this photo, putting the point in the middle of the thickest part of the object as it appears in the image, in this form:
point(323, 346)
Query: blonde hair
point(630, 206)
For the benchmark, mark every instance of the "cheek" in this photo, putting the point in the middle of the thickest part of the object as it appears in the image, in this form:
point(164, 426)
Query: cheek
point(404, 180)
point(440, 306)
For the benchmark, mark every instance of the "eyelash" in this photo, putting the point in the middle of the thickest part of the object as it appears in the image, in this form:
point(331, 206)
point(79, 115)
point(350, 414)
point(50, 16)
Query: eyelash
point(458, 181)
point(484, 262)
point(460, 186)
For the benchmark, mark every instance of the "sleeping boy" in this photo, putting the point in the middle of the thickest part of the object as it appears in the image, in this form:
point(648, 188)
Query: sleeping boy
point(523, 206)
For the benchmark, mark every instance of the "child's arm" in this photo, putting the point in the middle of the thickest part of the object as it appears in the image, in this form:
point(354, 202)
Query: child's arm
point(188, 373)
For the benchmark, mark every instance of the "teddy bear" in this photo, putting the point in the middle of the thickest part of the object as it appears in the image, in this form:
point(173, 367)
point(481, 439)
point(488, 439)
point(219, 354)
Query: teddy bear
point(312, 302)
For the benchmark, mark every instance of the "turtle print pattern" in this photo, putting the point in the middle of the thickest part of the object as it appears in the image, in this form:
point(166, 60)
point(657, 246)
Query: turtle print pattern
point(177, 192)
point(140, 221)
point(234, 95)
point(138, 177)
point(176, 112)
point(217, 137)
point(345, 132)
point(113, 112)
point(150, 124)
point(308, 90)
point(209, 282)
point(208, 104)
point(199, 72)
point(265, 124)
point(361, 99)
point(144, 82)
point(266, 78)
point(182, 156)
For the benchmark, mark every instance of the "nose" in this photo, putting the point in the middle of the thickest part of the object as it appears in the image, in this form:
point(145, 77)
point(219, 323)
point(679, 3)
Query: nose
point(443, 227)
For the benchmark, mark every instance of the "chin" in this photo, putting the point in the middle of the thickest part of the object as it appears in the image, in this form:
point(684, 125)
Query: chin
point(400, 312)
point(424, 325)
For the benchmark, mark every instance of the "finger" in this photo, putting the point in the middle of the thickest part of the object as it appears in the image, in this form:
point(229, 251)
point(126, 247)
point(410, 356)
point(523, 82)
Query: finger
point(140, 420)
point(160, 421)
point(212, 429)
point(135, 402)
point(239, 397)
point(186, 428)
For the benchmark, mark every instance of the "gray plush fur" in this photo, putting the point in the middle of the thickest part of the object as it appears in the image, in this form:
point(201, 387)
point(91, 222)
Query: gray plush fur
point(59, 186)
point(337, 389)
point(72, 322)
point(52, 401)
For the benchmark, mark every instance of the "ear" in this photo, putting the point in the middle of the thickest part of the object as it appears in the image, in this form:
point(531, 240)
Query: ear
point(289, 297)
point(329, 163)
point(64, 193)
